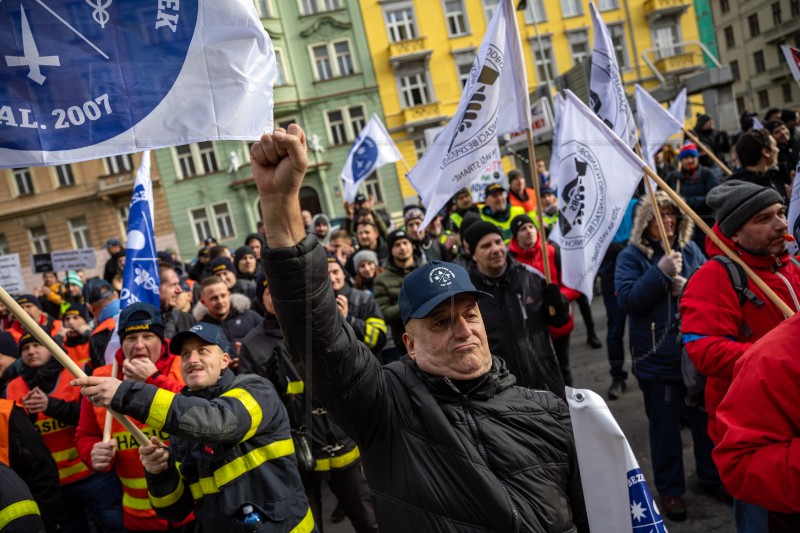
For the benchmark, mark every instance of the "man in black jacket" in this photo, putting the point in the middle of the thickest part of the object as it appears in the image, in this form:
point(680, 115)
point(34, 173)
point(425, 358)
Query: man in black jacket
point(174, 319)
point(758, 152)
point(449, 443)
point(521, 308)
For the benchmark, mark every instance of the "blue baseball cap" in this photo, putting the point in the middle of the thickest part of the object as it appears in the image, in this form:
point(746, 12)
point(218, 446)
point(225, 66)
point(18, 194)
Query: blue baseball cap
point(430, 285)
point(202, 330)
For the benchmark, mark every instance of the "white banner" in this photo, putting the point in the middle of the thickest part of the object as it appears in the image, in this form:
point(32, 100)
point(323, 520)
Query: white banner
point(656, 125)
point(11, 278)
point(64, 260)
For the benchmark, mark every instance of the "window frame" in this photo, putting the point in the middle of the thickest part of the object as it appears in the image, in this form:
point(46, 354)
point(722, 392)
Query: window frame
point(488, 10)
point(579, 36)
point(759, 62)
point(450, 18)
point(4, 248)
point(194, 223)
point(266, 5)
point(463, 59)
point(763, 98)
point(280, 68)
point(64, 171)
point(776, 14)
point(734, 65)
point(195, 156)
point(412, 24)
point(41, 239)
point(623, 57)
point(348, 127)
point(23, 173)
point(373, 187)
point(614, 5)
point(82, 232)
point(317, 10)
point(546, 63)
point(112, 164)
point(231, 220)
point(576, 7)
point(786, 89)
point(730, 37)
point(333, 59)
point(426, 90)
point(724, 6)
point(535, 8)
point(754, 25)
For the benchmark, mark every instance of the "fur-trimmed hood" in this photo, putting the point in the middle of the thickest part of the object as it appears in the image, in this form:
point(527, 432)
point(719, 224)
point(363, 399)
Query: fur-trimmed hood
point(645, 213)
point(240, 302)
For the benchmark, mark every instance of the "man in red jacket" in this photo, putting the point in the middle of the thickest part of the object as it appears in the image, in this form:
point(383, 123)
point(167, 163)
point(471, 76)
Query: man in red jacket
point(717, 328)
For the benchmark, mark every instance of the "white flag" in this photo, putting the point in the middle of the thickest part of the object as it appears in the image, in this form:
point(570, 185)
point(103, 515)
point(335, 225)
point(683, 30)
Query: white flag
point(793, 58)
point(554, 173)
point(372, 149)
point(793, 218)
point(606, 93)
point(757, 125)
point(656, 124)
point(678, 107)
point(599, 174)
point(131, 76)
point(469, 142)
point(617, 497)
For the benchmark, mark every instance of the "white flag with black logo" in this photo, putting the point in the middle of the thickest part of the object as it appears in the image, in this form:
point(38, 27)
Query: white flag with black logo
point(599, 174)
point(607, 95)
point(469, 142)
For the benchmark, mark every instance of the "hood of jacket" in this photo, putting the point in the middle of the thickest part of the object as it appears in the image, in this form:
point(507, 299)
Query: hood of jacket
point(239, 303)
point(645, 214)
point(326, 218)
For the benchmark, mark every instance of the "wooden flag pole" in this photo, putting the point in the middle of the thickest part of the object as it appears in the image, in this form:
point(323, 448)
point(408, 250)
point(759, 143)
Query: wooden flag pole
point(659, 221)
point(109, 418)
point(708, 151)
point(47, 341)
point(768, 292)
point(539, 217)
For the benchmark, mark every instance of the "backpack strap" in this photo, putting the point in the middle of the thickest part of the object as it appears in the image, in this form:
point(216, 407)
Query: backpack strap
point(740, 287)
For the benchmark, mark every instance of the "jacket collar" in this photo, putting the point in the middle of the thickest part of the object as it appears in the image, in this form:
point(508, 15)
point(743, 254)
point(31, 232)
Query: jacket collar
point(497, 379)
point(753, 260)
point(214, 391)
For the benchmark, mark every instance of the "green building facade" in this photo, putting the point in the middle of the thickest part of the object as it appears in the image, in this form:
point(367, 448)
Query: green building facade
point(325, 83)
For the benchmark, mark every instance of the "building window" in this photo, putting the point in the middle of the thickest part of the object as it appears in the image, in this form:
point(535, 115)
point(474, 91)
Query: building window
point(3, 245)
point(666, 39)
point(464, 61)
point(196, 159)
point(24, 181)
point(373, 188)
point(571, 8)
point(286, 122)
point(336, 130)
point(123, 212)
point(787, 93)
point(222, 217)
point(414, 89)
point(758, 60)
point(65, 176)
point(730, 41)
point(200, 224)
point(752, 22)
point(186, 161)
point(579, 45)
point(794, 8)
point(207, 157)
point(420, 147)
point(456, 17)
point(489, 7)
point(264, 9)
point(617, 32)
point(341, 65)
point(39, 241)
point(607, 5)
point(535, 12)
point(543, 58)
point(79, 231)
point(724, 6)
point(310, 7)
point(740, 103)
point(735, 70)
point(358, 119)
point(280, 70)
point(776, 13)
point(400, 24)
point(763, 98)
point(119, 163)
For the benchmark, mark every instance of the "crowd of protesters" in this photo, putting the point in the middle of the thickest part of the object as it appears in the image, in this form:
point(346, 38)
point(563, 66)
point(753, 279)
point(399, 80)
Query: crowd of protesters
point(219, 376)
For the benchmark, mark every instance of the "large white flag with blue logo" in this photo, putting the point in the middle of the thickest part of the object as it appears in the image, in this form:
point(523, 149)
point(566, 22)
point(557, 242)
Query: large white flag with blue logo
point(140, 280)
point(494, 102)
point(373, 148)
point(607, 95)
point(617, 497)
point(82, 80)
point(598, 176)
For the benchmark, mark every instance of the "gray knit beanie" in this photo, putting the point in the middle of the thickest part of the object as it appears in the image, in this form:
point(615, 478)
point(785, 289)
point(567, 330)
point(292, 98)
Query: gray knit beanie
point(736, 201)
point(364, 255)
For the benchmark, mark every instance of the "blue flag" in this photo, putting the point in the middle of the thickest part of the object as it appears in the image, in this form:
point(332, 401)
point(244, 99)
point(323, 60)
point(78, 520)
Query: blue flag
point(140, 281)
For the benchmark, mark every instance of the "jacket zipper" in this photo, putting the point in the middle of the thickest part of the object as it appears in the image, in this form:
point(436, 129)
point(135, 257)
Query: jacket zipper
point(653, 333)
point(522, 306)
point(791, 291)
point(473, 428)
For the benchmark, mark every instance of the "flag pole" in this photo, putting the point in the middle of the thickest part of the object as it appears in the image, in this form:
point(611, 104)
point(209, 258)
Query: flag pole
point(405, 163)
point(109, 418)
point(659, 221)
point(47, 341)
point(539, 217)
point(709, 152)
point(768, 292)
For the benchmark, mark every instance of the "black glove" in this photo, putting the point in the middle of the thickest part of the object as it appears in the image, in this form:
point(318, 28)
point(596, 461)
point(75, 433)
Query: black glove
point(551, 295)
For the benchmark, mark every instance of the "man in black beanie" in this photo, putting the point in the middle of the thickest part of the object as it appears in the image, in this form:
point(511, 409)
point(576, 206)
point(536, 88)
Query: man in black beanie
point(718, 322)
point(400, 264)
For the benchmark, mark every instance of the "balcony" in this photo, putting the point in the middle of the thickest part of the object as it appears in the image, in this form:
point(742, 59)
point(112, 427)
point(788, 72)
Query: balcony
point(781, 31)
point(421, 115)
point(409, 50)
point(656, 9)
point(780, 72)
point(679, 63)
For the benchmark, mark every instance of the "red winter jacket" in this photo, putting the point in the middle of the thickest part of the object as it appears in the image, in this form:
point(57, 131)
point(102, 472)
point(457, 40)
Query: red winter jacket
point(533, 258)
point(758, 424)
point(711, 317)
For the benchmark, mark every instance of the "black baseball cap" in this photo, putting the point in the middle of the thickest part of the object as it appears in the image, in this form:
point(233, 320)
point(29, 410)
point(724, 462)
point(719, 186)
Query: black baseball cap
point(202, 330)
point(493, 188)
point(431, 284)
point(140, 316)
point(96, 289)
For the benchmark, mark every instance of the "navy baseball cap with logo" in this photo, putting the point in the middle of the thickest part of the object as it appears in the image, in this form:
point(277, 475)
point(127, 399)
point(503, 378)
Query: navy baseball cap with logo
point(202, 330)
point(430, 285)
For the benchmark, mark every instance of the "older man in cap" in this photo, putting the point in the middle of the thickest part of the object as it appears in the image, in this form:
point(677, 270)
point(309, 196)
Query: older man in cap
point(449, 443)
point(722, 312)
point(230, 458)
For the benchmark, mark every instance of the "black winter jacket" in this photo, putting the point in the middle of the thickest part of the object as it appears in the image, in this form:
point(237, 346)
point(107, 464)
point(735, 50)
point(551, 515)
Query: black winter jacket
point(517, 325)
point(234, 447)
point(771, 178)
point(176, 321)
point(494, 458)
point(365, 317)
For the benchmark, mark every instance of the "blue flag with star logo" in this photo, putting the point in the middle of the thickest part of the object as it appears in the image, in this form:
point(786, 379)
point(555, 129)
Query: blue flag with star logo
point(373, 149)
point(140, 280)
point(645, 516)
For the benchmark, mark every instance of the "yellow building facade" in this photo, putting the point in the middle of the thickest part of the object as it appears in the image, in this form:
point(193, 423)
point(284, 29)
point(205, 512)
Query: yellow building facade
point(422, 51)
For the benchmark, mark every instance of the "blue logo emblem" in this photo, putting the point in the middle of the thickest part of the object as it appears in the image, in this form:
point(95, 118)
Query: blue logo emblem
point(645, 516)
point(74, 74)
point(365, 156)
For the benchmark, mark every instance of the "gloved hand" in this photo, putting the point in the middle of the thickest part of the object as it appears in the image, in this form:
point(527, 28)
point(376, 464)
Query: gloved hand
point(551, 295)
point(671, 264)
